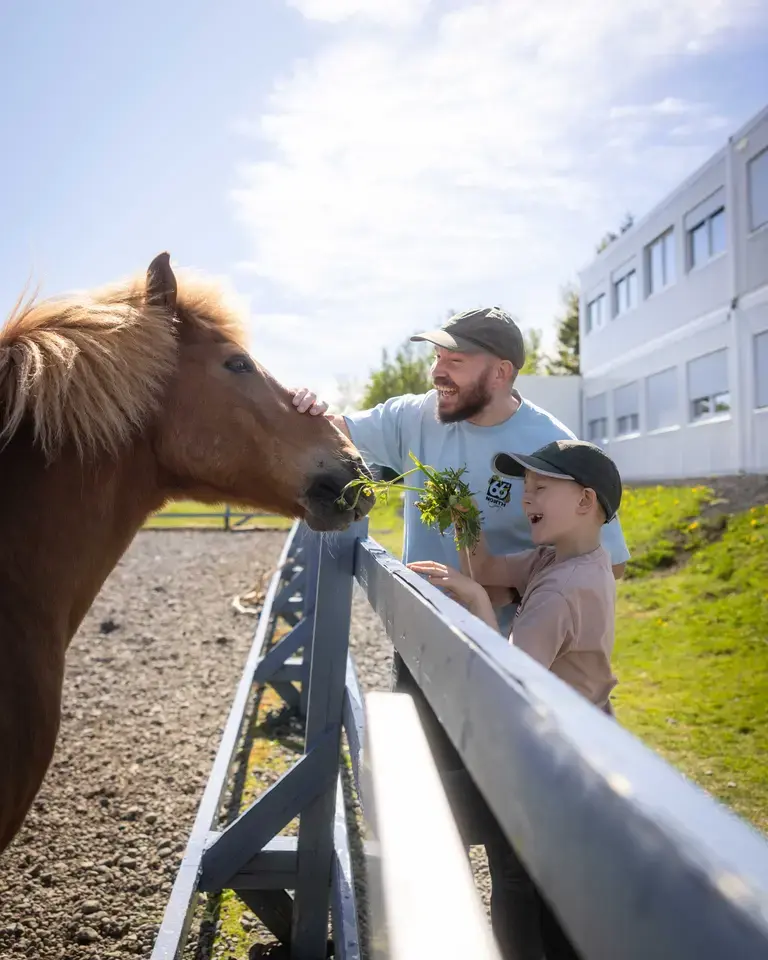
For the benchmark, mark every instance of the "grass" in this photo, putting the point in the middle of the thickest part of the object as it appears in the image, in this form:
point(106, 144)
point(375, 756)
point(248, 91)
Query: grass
point(692, 661)
point(691, 640)
point(206, 516)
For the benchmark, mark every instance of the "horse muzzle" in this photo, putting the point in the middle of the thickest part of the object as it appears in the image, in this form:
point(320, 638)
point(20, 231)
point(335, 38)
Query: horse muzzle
point(330, 503)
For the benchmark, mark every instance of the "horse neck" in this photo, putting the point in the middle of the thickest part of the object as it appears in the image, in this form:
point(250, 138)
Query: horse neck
point(65, 526)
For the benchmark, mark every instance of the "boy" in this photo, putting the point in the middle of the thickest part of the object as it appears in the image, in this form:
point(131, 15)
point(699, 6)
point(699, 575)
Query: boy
point(565, 621)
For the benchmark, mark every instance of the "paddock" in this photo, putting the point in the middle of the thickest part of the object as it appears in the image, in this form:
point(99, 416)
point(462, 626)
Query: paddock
point(150, 677)
point(150, 680)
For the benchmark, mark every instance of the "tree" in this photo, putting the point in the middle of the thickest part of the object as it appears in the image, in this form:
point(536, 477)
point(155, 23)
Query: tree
point(609, 237)
point(534, 356)
point(407, 372)
point(566, 360)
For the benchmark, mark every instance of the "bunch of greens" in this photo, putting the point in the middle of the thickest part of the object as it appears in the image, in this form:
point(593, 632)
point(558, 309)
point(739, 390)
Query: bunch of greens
point(444, 501)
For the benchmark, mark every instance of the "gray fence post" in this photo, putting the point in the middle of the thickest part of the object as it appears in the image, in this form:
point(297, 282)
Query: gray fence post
point(327, 680)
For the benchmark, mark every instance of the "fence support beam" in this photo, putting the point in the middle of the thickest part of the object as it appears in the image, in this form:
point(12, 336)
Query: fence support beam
point(327, 676)
point(268, 814)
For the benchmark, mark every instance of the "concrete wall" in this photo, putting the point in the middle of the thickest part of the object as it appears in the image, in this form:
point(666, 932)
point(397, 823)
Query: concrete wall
point(560, 396)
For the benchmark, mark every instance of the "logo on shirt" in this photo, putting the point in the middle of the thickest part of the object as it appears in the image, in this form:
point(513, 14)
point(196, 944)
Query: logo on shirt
point(498, 491)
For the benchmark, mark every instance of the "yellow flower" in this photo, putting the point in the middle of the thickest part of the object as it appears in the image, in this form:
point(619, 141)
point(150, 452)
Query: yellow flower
point(753, 523)
point(693, 525)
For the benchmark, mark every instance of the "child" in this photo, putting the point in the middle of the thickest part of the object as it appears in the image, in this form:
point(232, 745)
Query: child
point(565, 619)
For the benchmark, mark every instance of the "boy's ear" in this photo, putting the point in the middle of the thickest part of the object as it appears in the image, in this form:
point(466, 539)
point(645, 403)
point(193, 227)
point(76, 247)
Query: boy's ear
point(588, 500)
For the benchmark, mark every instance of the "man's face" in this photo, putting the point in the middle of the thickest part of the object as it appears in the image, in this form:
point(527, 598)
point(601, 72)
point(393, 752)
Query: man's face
point(463, 383)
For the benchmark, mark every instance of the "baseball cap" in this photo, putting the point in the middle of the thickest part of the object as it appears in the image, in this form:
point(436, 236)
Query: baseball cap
point(489, 328)
point(575, 460)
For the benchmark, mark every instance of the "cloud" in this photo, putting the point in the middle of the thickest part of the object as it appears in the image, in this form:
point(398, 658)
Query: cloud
point(393, 13)
point(474, 158)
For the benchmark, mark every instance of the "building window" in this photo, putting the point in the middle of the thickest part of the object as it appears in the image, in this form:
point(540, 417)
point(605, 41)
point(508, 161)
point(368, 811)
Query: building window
point(625, 293)
point(757, 177)
point(661, 399)
point(761, 369)
point(707, 238)
point(626, 409)
point(661, 262)
point(708, 393)
point(596, 313)
point(597, 420)
point(597, 431)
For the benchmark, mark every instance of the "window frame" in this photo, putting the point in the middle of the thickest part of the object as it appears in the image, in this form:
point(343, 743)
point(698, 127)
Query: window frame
point(762, 156)
point(590, 327)
point(711, 254)
point(665, 237)
point(624, 281)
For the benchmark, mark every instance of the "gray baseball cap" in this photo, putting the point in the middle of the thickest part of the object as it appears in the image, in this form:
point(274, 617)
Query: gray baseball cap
point(490, 329)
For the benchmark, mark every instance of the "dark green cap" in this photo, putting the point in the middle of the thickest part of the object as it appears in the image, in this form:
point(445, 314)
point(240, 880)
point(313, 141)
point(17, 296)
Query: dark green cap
point(490, 329)
point(575, 460)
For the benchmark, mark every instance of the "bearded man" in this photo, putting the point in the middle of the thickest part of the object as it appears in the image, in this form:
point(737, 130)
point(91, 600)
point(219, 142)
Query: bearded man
point(473, 413)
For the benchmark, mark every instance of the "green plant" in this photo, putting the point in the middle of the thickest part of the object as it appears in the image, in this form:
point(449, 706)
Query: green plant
point(445, 500)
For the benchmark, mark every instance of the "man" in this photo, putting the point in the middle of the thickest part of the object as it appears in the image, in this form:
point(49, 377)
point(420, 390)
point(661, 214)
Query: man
point(473, 413)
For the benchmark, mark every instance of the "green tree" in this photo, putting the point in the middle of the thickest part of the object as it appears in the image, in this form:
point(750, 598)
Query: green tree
point(609, 237)
point(406, 372)
point(566, 360)
point(534, 355)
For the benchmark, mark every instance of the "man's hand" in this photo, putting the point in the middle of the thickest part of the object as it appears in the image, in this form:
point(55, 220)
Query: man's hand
point(306, 401)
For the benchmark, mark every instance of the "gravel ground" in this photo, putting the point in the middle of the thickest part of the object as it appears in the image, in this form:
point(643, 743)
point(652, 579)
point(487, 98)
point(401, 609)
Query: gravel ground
point(150, 677)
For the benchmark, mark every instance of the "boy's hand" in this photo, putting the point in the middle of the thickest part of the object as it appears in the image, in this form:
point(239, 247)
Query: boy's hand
point(464, 589)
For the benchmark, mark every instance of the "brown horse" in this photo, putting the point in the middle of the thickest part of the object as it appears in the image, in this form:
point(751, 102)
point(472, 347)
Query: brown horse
point(112, 403)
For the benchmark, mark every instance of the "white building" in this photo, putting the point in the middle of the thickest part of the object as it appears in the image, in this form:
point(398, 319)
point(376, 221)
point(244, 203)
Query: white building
point(674, 325)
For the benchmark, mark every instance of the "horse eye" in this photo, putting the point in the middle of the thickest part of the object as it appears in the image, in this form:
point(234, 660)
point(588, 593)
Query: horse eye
point(239, 364)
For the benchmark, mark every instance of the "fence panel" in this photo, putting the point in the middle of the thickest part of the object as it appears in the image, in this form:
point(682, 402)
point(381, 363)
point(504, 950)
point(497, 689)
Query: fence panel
point(637, 861)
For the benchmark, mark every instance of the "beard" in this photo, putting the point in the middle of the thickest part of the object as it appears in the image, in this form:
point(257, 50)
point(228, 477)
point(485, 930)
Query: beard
point(469, 400)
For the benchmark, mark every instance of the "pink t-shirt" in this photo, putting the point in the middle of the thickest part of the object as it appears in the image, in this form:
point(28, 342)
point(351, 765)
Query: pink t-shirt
point(566, 616)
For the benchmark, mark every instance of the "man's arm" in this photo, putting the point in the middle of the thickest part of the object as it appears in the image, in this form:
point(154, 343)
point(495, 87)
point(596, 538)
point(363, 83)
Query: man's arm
point(618, 570)
point(382, 434)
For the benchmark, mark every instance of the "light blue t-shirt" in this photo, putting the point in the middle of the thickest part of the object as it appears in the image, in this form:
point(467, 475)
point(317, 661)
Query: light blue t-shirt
point(385, 434)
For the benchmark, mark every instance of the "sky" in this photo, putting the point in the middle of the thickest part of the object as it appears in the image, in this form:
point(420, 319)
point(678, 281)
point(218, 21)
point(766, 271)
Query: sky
point(356, 169)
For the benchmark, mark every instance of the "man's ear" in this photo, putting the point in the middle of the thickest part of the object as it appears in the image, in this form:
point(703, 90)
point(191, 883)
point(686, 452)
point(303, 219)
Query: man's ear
point(505, 372)
point(161, 283)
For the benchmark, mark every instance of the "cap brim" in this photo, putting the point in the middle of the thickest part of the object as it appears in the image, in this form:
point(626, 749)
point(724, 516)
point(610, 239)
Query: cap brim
point(515, 465)
point(446, 340)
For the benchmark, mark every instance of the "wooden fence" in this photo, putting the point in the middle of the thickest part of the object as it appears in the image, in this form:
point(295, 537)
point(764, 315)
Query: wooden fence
point(637, 861)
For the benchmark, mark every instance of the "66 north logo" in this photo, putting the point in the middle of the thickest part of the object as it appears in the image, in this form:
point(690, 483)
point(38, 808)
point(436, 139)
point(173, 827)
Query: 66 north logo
point(498, 491)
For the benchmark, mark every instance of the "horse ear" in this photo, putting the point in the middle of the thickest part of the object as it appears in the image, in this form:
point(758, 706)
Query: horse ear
point(161, 283)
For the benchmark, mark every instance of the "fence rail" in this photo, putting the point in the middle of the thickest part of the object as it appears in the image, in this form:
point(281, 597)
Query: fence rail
point(636, 861)
point(234, 520)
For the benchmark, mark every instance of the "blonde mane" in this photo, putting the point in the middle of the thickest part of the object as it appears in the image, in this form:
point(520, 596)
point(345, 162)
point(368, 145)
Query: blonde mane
point(90, 368)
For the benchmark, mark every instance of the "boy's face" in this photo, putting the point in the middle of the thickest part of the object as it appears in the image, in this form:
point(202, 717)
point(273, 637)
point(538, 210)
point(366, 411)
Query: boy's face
point(554, 507)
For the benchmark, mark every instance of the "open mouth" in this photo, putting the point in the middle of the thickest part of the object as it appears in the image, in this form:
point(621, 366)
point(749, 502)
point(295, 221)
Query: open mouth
point(535, 518)
point(445, 393)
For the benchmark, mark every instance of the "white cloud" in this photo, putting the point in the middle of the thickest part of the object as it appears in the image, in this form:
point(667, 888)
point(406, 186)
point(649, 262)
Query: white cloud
point(478, 160)
point(394, 13)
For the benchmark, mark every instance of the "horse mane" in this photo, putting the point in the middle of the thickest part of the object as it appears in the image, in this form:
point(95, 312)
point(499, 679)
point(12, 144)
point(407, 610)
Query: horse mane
point(90, 367)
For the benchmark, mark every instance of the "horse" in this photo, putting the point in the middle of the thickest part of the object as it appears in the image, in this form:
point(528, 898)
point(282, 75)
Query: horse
point(113, 402)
